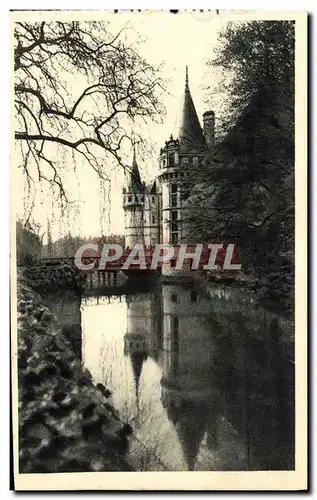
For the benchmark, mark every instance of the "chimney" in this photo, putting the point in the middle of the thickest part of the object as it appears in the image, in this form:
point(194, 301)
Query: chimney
point(209, 128)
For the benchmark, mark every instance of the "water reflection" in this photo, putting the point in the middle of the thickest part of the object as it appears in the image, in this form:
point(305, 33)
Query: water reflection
point(207, 383)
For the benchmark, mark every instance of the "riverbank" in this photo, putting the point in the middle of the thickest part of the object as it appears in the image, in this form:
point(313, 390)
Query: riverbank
point(66, 423)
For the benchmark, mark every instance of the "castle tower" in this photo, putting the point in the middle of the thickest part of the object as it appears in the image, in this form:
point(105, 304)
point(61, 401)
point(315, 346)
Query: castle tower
point(135, 348)
point(152, 214)
point(178, 158)
point(144, 326)
point(187, 383)
point(133, 205)
point(143, 338)
point(141, 206)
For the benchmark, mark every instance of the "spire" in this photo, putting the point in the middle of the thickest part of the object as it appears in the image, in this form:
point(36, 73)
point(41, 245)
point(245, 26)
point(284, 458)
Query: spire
point(137, 360)
point(153, 187)
point(186, 80)
point(190, 429)
point(189, 415)
point(134, 163)
point(135, 348)
point(135, 180)
point(190, 134)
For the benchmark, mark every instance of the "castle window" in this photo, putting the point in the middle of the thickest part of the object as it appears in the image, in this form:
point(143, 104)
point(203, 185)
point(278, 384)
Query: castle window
point(174, 200)
point(193, 296)
point(153, 219)
point(174, 188)
point(153, 199)
point(174, 238)
point(174, 214)
point(174, 228)
point(170, 160)
point(174, 297)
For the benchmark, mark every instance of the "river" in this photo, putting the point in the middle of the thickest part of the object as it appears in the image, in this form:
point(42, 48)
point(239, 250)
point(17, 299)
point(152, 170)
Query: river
point(206, 381)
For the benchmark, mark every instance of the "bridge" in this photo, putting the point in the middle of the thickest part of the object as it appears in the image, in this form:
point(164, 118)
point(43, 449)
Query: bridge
point(107, 277)
point(116, 265)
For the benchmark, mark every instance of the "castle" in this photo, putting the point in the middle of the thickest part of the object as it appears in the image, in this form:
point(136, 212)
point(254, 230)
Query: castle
point(155, 213)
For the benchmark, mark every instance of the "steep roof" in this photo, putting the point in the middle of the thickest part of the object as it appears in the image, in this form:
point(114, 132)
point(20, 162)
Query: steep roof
point(190, 429)
point(153, 187)
point(137, 359)
point(190, 134)
point(135, 178)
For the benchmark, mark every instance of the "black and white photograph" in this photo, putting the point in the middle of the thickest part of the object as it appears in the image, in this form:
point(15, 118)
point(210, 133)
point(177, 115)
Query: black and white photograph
point(155, 160)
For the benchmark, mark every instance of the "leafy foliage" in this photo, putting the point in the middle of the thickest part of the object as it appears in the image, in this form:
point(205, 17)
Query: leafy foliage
point(245, 192)
point(28, 244)
point(252, 55)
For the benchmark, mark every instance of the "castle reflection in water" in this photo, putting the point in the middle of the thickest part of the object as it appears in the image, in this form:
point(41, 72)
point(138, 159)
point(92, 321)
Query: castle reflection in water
point(207, 383)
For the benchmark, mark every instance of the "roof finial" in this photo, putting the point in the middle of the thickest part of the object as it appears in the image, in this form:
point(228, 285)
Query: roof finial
point(134, 153)
point(186, 79)
point(134, 162)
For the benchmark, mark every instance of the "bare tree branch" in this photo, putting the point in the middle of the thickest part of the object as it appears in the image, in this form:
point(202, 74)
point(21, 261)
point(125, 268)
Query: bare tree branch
point(119, 90)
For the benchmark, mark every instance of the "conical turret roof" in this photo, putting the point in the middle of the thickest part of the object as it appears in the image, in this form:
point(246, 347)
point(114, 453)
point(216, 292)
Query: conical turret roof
point(135, 178)
point(137, 360)
point(190, 134)
point(190, 429)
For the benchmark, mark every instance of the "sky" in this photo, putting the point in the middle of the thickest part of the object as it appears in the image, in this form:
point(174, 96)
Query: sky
point(187, 38)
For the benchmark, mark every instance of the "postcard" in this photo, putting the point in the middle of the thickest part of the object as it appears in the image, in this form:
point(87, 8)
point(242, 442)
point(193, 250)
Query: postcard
point(158, 263)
